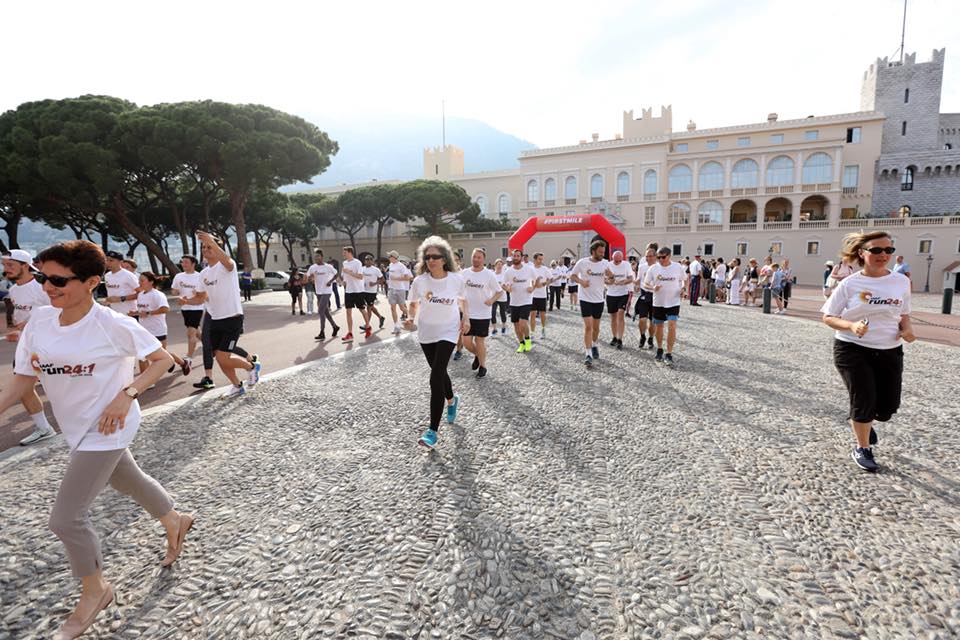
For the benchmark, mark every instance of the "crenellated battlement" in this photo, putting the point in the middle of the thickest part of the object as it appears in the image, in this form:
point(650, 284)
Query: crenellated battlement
point(647, 124)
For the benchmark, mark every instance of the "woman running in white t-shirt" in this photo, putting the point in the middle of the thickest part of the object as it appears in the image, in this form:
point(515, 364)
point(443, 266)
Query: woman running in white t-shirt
point(438, 294)
point(84, 353)
point(152, 308)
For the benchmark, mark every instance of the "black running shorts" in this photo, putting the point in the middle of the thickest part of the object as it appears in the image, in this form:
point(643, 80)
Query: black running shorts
point(539, 304)
point(662, 314)
point(479, 328)
point(644, 305)
point(225, 333)
point(192, 319)
point(355, 300)
point(370, 298)
point(873, 378)
point(617, 303)
point(591, 309)
point(520, 313)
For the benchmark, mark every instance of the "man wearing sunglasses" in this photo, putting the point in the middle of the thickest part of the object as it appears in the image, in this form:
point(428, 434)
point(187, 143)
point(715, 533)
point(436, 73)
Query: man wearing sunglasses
point(591, 274)
point(519, 281)
point(667, 281)
point(26, 294)
point(121, 284)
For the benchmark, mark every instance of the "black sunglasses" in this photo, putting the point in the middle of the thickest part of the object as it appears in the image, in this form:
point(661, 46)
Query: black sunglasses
point(878, 250)
point(58, 281)
point(433, 256)
point(662, 257)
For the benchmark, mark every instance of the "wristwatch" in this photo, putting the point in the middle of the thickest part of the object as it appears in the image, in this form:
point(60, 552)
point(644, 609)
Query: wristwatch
point(131, 392)
point(123, 298)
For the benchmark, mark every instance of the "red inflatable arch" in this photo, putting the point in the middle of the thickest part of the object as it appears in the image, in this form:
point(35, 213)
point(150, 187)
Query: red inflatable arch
point(579, 222)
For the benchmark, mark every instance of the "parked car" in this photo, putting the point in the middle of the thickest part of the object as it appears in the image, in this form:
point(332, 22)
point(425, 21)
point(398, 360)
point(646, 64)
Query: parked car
point(276, 280)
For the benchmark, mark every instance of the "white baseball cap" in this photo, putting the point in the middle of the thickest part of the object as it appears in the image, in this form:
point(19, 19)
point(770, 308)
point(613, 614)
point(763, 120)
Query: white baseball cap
point(20, 255)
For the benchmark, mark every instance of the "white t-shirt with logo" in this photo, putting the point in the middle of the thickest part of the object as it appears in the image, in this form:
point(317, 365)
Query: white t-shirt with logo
point(480, 287)
point(592, 272)
point(26, 298)
point(371, 275)
point(519, 281)
point(186, 284)
point(620, 271)
point(148, 301)
point(322, 274)
point(439, 317)
point(544, 273)
point(83, 367)
point(883, 300)
point(561, 271)
point(351, 284)
point(222, 287)
point(395, 272)
point(670, 279)
point(122, 283)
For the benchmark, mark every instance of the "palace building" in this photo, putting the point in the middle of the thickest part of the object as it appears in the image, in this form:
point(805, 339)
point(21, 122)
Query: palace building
point(786, 188)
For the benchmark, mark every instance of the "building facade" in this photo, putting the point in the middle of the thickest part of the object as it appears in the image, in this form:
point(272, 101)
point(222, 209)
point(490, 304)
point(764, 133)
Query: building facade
point(786, 188)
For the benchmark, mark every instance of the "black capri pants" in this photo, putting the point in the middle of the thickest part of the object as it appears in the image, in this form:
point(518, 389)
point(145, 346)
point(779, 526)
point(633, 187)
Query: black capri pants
point(441, 389)
point(873, 378)
point(500, 305)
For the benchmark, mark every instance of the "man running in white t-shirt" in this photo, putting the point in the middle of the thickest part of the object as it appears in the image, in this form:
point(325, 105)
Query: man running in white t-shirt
point(354, 292)
point(399, 278)
point(618, 291)
point(122, 285)
point(372, 277)
point(185, 286)
point(590, 274)
point(482, 290)
point(519, 280)
point(667, 280)
point(539, 303)
point(323, 275)
point(219, 289)
point(643, 308)
point(26, 294)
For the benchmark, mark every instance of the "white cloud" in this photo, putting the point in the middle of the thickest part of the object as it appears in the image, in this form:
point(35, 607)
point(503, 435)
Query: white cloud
point(551, 72)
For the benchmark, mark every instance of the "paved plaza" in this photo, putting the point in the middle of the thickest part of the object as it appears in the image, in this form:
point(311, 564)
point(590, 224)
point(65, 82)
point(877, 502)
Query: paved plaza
point(714, 500)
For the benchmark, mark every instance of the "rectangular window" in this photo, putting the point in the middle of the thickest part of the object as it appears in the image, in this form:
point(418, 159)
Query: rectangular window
point(853, 135)
point(649, 216)
point(851, 176)
point(741, 248)
point(848, 213)
point(677, 249)
point(681, 147)
point(743, 142)
point(926, 247)
point(548, 213)
point(903, 128)
point(504, 251)
point(906, 96)
point(811, 135)
point(813, 247)
point(713, 144)
point(275, 259)
point(776, 138)
point(708, 248)
point(776, 248)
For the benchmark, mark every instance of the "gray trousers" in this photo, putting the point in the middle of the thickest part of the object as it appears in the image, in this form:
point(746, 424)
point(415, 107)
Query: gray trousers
point(323, 310)
point(88, 472)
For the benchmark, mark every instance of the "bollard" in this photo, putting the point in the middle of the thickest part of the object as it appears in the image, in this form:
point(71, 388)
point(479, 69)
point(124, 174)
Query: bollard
point(767, 299)
point(712, 292)
point(947, 300)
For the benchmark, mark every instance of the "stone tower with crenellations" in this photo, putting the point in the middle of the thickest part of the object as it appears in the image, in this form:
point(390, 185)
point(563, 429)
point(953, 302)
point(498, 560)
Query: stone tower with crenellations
point(442, 163)
point(648, 126)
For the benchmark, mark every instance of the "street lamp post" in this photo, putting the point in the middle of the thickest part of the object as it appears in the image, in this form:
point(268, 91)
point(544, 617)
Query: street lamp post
point(926, 287)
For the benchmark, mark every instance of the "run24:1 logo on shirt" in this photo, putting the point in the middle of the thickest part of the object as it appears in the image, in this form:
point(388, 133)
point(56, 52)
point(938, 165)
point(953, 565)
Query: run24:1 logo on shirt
point(72, 370)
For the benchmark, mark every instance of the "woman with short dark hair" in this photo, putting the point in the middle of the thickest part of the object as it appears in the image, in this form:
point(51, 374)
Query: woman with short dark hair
point(83, 353)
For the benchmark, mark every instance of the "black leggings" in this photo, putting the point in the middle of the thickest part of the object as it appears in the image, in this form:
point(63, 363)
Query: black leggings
point(556, 294)
point(502, 306)
point(205, 341)
point(438, 355)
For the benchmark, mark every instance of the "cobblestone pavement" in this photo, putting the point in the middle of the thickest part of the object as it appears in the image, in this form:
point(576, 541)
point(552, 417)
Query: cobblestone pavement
point(713, 500)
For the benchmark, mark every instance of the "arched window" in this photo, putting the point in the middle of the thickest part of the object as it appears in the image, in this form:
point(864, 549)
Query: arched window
point(745, 174)
point(623, 184)
point(482, 203)
point(503, 204)
point(570, 188)
point(596, 186)
point(550, 189)
point(680, 178)
point(710, 212)
point(679, 213)
point(780, 172)
point(818, 168)
point(711, 177)
point(533, 192)
point(906, 179)
point(650, 182)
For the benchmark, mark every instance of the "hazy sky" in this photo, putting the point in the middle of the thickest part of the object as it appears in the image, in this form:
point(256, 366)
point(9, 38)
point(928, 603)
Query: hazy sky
point(550, 72)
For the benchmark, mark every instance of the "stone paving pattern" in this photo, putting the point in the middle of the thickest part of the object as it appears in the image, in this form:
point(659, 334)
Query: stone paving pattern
point(713, 500)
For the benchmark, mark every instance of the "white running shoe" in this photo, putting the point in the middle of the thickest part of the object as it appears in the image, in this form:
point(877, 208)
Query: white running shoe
point(37, 436)
point(234, 391)
point(255, 371)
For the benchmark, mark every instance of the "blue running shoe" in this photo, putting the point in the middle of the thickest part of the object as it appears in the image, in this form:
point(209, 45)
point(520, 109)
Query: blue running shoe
point(452, 409)
point(255, 372)
point(595, 352)
point(428, 439)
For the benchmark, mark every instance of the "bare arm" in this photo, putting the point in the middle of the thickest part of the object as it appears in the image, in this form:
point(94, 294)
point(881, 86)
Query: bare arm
point(217, 254)
point(115, 414)
point(19, 386)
